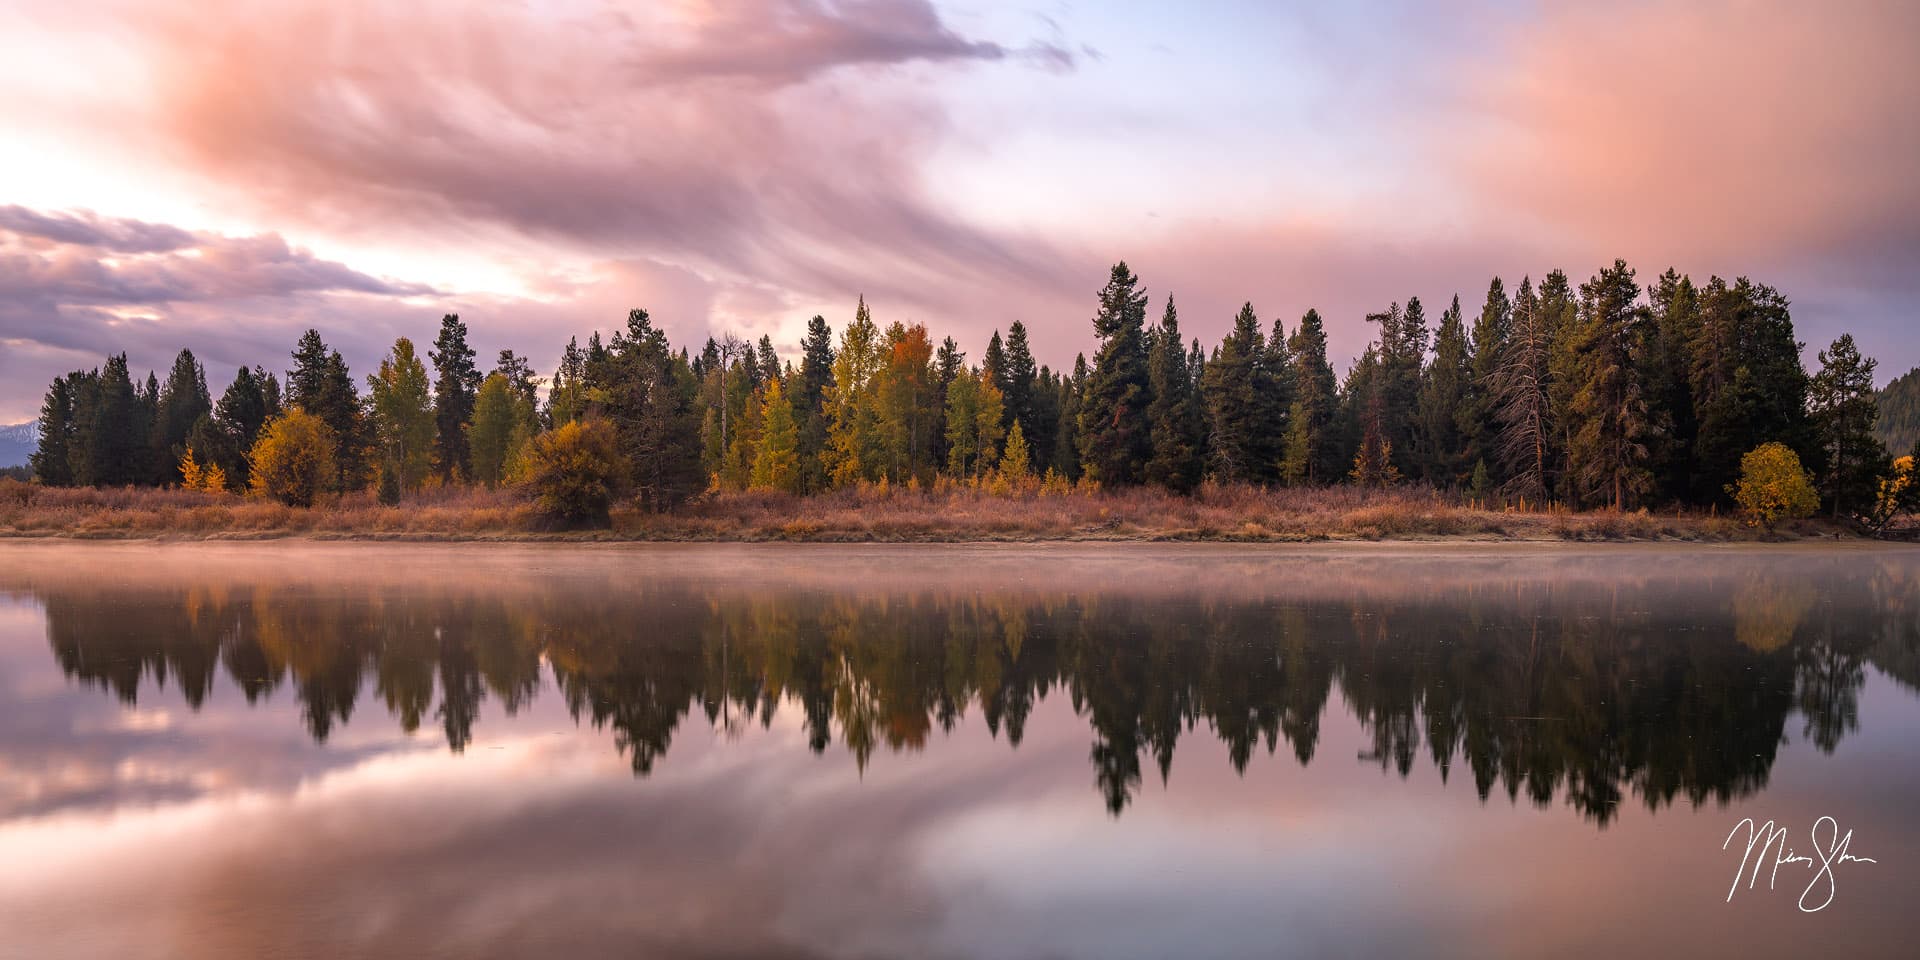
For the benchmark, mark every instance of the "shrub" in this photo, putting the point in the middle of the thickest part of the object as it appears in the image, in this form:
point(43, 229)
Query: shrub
point(1897, 496)
point(1773, 486)
point(573, 471)
point(292, 461)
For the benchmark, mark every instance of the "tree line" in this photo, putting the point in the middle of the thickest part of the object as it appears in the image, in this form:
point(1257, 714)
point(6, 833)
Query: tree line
point(1605, 394)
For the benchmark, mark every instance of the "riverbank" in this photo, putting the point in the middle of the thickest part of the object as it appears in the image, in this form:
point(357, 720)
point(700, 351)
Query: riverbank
point(1230, 515)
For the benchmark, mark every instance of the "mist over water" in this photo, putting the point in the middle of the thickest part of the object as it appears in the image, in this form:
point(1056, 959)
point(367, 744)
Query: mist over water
point(1100, 751)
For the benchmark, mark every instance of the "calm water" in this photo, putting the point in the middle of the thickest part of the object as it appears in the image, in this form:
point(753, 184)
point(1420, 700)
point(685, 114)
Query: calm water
point(396, 751)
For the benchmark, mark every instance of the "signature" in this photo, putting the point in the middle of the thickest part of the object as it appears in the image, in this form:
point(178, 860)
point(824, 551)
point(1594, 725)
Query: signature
point(1829, 852)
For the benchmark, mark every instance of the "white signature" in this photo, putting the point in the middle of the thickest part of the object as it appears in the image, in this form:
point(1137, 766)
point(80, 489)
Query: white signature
point(1828, 853)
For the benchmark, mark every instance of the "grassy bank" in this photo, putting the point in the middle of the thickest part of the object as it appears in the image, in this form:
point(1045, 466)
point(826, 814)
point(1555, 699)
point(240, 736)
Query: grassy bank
point(1231, 514)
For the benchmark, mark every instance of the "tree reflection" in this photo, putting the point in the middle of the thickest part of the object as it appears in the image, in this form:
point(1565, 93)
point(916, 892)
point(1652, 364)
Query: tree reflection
point(1591, 694)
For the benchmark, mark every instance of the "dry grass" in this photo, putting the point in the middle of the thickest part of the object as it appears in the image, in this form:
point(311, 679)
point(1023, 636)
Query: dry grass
point(946, 513)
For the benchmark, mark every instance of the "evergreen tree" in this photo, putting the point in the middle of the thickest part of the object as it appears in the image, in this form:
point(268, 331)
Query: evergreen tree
point(1278, 389)
point(1519, 391)
point(52, 461)
point(768, 359)
point(520, 376)
point(1020, 378)
point(567, 400)
point(1842, 403)
point(993, 364)
point(1066, 438)
point(1444, 393)
point(116, 451)
point(1609, 453)
point(1666, 371)
point(1403, 355)
point(1310, 456)
point(650, 400)
point(1114, 439)
point(1176, 417)
point(245, 407)
point(182, 402)
point(1478, 420)
point(456, 382)
point(1559, 312)
point(401, 402)
point(1747, 382)
point(1236, 399)
point(321, 385)
point(808, 395)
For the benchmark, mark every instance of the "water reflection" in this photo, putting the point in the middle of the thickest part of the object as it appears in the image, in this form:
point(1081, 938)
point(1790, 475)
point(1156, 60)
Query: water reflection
point(1596, 683)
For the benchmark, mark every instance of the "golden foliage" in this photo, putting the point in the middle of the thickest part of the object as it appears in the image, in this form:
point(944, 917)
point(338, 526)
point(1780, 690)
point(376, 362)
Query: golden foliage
point(292, 461)
point(1773, 486)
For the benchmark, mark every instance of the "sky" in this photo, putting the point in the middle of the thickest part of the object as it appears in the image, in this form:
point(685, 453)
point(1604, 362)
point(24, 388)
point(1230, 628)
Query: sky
point(221, 175)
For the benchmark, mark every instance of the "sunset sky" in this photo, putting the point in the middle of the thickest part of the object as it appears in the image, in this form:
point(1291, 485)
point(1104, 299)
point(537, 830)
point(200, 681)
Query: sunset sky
point(221, 175)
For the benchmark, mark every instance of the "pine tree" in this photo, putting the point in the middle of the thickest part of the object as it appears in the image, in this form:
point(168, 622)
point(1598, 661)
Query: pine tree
point(1020, 378)
point(567, 400)
point(1235, 395)
point(1519, 391)
point(776, 465)
point(116, 450)
point(768, 359)
point(1307, 458)
point(1478, 422)
point(182, 402)
point(993, 363)
point(1175, 415)
point(1559, 312)
point(962, 416)
point(401, 401)
point(1609, 453)
point(1114, 439)
point(1747, 382)
point(52, 461)
point(1443, 395)
point(321, 385)
point(808, 395)
point(650, 400)
point(1666, 370)
point(1841, 401)
point(1066, 439)
point(456, 382)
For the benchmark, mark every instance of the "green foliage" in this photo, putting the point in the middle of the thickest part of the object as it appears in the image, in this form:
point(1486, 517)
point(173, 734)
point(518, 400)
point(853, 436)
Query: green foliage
point(1520, 392)
point(1840, 400)
point(573, 472)
point(1747, 383)
point(181, 404)
point(1311, 455)
point(1609, 454)
point(402, 418)
point(1176, 416)
point(1244, 419)
point(650, 401)
point(1015, 461)
point(1114, 436)
point(503, 420)
point(456, 381)
point(1773, 486)
point(293, 460)
point(1445, 391)
point(321, 385)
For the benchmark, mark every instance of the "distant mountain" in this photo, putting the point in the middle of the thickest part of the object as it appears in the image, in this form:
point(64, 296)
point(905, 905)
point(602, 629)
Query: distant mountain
point(1899, 423)
point(18, 442)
